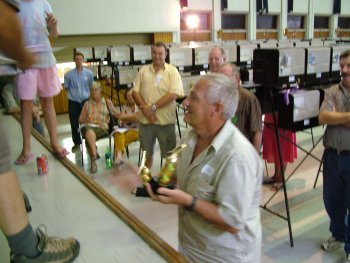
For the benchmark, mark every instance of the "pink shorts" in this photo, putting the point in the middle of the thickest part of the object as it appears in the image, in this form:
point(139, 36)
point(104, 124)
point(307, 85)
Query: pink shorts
point(38, 81)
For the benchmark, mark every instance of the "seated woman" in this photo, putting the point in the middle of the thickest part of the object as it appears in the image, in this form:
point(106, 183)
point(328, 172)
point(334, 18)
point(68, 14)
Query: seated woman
point(127, 131)
point(94, 120)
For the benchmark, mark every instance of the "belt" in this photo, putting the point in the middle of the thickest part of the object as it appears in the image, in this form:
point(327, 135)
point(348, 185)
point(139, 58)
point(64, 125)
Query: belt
point(340, 153)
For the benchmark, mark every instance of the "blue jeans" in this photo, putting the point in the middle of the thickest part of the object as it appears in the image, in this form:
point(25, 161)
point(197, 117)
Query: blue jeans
point(336, 194)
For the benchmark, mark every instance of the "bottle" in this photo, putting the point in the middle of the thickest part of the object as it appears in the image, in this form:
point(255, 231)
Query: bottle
point(108, 158)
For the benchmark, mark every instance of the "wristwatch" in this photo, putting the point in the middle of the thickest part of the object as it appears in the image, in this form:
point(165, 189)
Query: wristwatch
point(154, 107)
point(192, 206)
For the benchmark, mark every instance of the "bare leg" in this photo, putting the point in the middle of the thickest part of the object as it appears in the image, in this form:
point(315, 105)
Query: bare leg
point(13, 216)
point(278, 172)
point(118, 156)
point(51, 122)
point(90, 137)
point(26, 123)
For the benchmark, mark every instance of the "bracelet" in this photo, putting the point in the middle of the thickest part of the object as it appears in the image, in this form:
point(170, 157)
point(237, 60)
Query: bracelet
point(192, 206)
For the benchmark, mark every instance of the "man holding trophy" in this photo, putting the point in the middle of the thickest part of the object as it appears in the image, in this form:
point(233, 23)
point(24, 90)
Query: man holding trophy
point(217, 174)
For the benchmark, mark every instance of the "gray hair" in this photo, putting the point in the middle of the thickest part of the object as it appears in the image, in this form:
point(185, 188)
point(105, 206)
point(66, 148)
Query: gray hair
point(222, 90)
point(95, 85)
point(236, 70)
point(223, 53)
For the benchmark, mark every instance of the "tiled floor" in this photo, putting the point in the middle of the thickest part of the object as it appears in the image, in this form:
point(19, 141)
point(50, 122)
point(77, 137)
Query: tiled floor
point(68, 208)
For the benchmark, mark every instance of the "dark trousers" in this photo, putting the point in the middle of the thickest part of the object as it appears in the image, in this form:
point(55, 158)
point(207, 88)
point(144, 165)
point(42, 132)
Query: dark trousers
point(74, 110)
point(336, 194)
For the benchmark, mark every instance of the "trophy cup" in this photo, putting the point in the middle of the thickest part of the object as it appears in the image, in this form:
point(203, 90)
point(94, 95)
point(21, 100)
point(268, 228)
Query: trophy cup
point(165, 175)
point(169, 167)
point(146, 176)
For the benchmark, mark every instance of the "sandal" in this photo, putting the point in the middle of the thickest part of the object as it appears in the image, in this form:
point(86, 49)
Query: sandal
point(24, 159)
point(269, 180)
point(93, 165)
point(277, 186)
point(62, 154)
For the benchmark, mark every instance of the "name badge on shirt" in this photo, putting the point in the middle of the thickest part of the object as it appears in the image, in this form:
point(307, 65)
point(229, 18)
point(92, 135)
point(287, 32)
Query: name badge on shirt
point(206, 173)
point(158, 80)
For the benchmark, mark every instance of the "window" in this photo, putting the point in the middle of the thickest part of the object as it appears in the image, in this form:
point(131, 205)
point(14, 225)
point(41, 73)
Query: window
point(231, 21)
point(321, 22)
point(266, 22)
point(295, 22)
point(344, 22)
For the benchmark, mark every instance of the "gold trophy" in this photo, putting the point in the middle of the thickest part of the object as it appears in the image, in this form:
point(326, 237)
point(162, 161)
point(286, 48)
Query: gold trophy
point(144, 172)
point(169, 167)
point(165, 174)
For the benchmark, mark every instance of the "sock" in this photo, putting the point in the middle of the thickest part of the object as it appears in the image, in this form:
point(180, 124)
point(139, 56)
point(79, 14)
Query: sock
point(24, 243)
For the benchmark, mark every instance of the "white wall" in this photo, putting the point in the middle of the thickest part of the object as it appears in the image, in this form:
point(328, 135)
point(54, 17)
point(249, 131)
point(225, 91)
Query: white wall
point(116, 16)
point(86, 17)
point(274, 6)
point(326, 8)
point(238, 6)
point(345, 7)
point(203, 5)
point(300, 7)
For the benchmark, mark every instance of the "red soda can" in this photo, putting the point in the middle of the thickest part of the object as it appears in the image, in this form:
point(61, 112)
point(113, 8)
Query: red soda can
point(46, 158)
point(41, 164)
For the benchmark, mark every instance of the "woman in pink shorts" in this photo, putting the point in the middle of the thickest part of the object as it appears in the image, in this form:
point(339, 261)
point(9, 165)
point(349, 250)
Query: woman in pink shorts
point(38, 23)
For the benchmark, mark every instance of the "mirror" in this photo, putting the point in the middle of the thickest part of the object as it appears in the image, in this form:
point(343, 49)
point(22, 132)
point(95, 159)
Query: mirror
point(156, 223)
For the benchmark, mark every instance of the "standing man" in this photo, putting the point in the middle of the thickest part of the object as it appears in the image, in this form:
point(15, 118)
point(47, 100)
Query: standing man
point(248, 117)
point(335, 113)
point(218, 176)
point(156, 88)
point(77, 81)
point(217, 57)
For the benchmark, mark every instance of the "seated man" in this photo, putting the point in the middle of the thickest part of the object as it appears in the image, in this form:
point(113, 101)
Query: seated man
point(94, 120)
point(127, 131)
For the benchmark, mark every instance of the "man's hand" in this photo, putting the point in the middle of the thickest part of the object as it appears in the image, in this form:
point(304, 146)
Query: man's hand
point(149, 114)
point(169, 196)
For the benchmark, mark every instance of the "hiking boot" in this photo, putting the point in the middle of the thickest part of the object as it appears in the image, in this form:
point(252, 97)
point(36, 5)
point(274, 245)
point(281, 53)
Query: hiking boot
point(51, 249)
point(331, 244)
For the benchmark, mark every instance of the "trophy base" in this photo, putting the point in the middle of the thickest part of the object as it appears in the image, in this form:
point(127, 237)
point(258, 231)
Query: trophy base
point(141, 191)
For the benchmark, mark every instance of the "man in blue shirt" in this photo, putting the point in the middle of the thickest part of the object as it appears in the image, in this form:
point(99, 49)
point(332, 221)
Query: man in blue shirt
point(77, 82)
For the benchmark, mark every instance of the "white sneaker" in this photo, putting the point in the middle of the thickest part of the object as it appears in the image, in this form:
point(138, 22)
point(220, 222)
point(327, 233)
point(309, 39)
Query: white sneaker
point(347, 258)
point(331, 244)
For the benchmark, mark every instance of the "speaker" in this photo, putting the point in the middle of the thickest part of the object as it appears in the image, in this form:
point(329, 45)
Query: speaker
point(280, 67)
